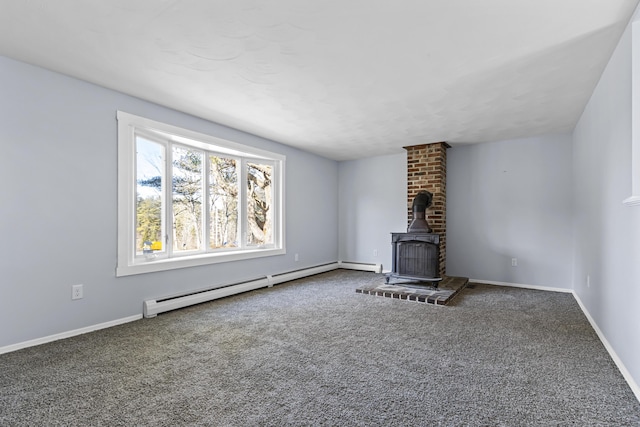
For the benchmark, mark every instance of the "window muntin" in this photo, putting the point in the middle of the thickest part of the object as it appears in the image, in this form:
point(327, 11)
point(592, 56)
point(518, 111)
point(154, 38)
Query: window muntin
point(194, 199)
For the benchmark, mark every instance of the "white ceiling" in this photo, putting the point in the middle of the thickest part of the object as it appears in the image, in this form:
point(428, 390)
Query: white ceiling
point(341, 78)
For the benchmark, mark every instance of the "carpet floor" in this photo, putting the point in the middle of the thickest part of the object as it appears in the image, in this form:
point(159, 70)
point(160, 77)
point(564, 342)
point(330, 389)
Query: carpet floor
point(314, 352)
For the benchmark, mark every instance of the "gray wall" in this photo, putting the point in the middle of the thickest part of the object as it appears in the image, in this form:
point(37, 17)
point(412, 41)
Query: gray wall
point(511, 199)
point(58, 195)
point(607, 233)
point(373, 203)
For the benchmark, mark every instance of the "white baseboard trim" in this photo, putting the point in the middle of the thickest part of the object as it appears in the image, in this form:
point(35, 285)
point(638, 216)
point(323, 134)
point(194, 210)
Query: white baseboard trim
point(614, 356)
point(68, 334)
point(623, 369)
point(524, 286)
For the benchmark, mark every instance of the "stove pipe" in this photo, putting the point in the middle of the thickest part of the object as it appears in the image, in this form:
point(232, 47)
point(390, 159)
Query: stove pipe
point(421, 203)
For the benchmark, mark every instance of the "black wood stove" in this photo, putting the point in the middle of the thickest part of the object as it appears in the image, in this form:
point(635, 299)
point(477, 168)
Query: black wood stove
point(416, 253)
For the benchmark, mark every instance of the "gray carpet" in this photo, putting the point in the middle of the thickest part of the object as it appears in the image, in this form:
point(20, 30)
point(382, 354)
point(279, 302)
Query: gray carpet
point(314, 352)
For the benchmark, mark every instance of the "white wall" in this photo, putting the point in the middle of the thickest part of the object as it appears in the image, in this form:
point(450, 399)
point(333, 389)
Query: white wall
point(58, 217)
point(607, 233)
point(511, 199)
point(373, 204)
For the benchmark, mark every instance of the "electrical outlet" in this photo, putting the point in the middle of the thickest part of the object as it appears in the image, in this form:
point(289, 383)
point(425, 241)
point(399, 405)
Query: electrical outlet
point(588, 281)
point(77, 291)
point(514, 262)
point(296, 258)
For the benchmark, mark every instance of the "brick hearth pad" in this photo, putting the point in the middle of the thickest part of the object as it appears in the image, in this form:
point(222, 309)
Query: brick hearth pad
point(447, 289)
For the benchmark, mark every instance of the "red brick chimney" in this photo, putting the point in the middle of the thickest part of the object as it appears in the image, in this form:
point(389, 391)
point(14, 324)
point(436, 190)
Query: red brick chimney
point(427, 170)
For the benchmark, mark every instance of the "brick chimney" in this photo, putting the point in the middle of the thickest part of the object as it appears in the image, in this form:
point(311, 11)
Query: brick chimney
point(427, 170)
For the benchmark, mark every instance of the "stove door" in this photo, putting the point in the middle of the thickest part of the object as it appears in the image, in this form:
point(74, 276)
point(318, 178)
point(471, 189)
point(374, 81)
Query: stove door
point(417, 259)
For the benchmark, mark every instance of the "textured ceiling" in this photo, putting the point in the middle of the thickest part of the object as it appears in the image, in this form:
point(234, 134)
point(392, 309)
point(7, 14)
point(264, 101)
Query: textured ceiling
point(341, 78)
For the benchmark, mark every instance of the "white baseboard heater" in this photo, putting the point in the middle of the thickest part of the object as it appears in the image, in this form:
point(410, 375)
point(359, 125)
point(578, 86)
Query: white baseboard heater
point(375, 268)
point(151, 308)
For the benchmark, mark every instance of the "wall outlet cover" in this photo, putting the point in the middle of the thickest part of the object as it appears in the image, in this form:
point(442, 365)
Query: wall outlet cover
point(77, 292)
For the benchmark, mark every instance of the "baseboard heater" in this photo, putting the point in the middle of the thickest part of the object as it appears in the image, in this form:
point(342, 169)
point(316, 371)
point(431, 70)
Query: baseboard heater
point(151, 308)
point(375, 268)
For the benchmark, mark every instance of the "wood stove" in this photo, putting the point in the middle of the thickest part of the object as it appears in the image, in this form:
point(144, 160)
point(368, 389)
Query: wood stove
point(416, 253)
point(415, 257)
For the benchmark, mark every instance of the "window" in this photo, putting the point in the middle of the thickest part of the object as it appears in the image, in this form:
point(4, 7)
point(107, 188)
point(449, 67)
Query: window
point(634, 199)
point(188, 199)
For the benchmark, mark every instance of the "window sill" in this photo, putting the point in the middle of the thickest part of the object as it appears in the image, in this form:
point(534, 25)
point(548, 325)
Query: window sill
point(632, 201)
point(193, 261)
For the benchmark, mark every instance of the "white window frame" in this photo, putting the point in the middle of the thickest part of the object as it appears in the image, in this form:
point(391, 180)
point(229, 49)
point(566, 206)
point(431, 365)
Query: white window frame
point(634, 199)
point(128, 263)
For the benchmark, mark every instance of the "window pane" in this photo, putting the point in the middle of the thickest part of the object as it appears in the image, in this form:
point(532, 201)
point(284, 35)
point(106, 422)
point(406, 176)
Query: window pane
point(223, 200)
point(187, 199)
point(149, 184)
point(259, 202)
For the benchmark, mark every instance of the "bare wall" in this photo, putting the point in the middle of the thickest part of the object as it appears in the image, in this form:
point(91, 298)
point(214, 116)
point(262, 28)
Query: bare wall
point(373, 204)
point(607, 233)
point(511, 199)
point(58, 222)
